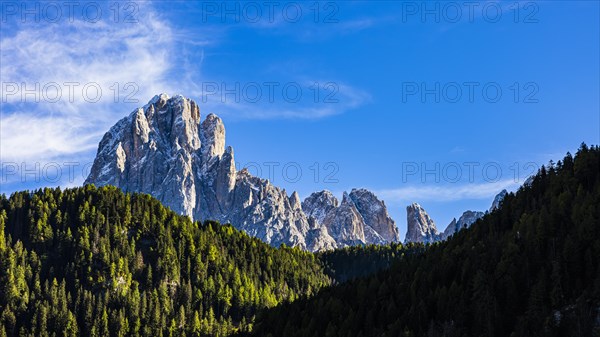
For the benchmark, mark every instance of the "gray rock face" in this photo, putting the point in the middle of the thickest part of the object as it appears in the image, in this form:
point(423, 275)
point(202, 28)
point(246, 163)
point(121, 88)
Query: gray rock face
point(345, 224)
point(498, 200)
point(153, 150)
point(452, 228)
point(375, 214)
point(420, 227)
point(360, 218)
point(318, 204)
point(465, 221)
point(418, 217)
point(162, 149)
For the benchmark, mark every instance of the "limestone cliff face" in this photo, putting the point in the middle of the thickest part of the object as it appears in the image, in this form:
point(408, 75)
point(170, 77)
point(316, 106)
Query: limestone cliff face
point(165, 150)
point(500, 197)
point(375, 214)
point(318, 204)
point(360, 218)
point(465, 221)
point(153, 150)
point(420, 227)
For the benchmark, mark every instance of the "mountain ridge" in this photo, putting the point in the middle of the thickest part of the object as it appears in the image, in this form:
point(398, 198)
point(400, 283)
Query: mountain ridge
point(166, 150)
point(421, 228)
point(525, 269)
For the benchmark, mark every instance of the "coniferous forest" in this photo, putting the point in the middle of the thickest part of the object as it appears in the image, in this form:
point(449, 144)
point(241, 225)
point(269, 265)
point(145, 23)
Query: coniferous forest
point(531, 268)
point(98, 262)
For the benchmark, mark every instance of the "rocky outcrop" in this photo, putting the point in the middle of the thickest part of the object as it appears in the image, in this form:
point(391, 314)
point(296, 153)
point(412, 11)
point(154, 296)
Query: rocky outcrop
point(345, 224)
point(420, 227)
point(498, 200)
point(319, 204)
point(361, 218)
point(153, 150)
point(164, 149)
point(375, 214)
point(465, 221)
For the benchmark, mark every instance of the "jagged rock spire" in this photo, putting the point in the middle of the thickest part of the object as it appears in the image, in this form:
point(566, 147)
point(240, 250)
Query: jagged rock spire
point(420, 227)
point(164, 149)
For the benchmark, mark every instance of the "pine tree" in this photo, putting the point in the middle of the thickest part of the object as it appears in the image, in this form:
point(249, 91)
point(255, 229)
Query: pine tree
point(2, 237)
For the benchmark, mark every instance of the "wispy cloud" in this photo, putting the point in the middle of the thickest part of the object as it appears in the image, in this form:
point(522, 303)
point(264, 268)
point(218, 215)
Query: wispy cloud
point(128, 62)
point(452, 192)
point(27, 137)
point(83, 52)
point(345, 98)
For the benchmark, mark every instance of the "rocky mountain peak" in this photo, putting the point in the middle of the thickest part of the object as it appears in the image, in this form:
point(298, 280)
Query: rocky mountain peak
point(465, 221)
point(498, 200)
point(295, 201)
point(158, 101)
point(164, 149)
point(213, 136)
point(175, 119)
point(345, 223)
point(153, 145)
point(420, 227)
point(318, 204)
point(375, 214)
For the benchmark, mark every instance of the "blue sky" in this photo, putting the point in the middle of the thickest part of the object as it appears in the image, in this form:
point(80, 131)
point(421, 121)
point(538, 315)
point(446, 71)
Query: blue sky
point(437, 103)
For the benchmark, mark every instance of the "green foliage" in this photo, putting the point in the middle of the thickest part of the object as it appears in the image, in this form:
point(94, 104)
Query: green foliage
point(97, 262)
point(530, 268)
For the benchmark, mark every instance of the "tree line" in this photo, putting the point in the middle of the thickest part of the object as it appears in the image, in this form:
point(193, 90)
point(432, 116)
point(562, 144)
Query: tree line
point(530, 268)
point(98, 262)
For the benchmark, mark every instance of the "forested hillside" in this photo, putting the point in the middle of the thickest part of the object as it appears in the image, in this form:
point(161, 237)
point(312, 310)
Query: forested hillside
point(359, 261)
point(98, 262)
point(531, 268)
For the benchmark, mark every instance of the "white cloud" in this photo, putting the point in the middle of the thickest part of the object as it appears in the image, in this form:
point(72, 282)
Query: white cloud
point(30, 137)
point(452, 192)
point(138, 57)
point(345, 98)
point(151, 53)
point(86, 52)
